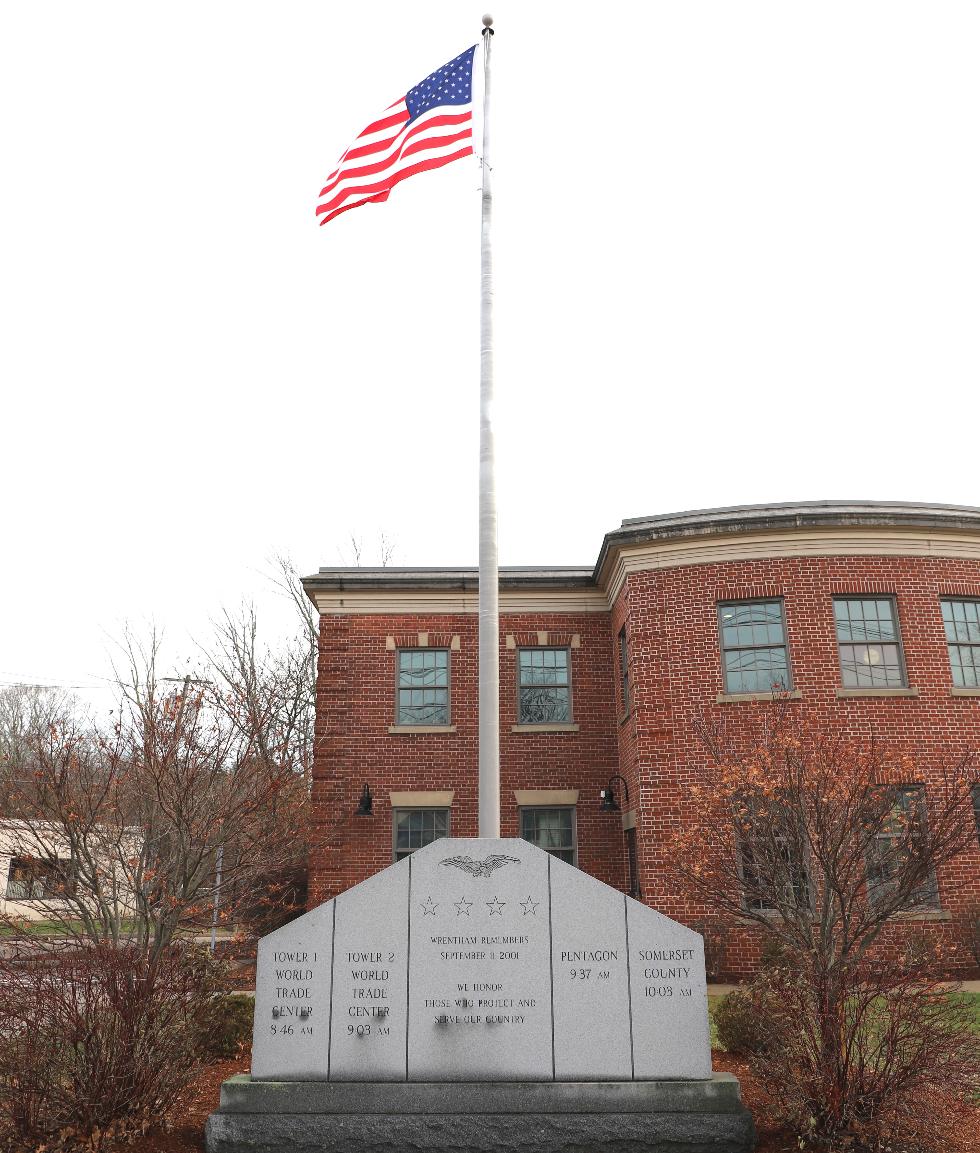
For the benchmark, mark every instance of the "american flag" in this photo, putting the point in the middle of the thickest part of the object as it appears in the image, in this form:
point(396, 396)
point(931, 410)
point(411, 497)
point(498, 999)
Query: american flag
point(429, 127)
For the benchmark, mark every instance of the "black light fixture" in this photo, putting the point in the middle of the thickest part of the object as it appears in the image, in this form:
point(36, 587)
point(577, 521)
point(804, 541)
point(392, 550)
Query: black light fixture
point(365, 807)
point(608, 795)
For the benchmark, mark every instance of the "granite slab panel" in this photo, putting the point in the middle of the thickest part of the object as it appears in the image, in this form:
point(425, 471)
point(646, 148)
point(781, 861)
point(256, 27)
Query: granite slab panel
point(590, 974)
point(244, 1094)
point(480, 968)
point(669, 996)
point(292, 998)
point(370, 980)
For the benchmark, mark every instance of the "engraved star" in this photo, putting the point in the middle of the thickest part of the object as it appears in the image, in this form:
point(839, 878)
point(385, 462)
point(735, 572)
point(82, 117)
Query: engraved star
point(430, 906)
point(529, 906)
point(463, 906)
point(496, 906)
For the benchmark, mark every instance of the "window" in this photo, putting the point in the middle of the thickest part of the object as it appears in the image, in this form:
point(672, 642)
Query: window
point(754, 656)
point(423, 687)
point(961, 620)
point(896, 845)
point(624, 672)
point(413, 828)
point(552, 830)
point(773, 875)
point(543, 687)
point(30, 879)
point(869, 644)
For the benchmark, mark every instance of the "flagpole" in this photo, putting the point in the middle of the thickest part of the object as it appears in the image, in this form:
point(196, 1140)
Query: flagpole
point(489, 608)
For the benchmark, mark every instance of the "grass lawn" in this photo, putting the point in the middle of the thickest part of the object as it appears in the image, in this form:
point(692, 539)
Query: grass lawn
point(970, 1000)
point(34, 929)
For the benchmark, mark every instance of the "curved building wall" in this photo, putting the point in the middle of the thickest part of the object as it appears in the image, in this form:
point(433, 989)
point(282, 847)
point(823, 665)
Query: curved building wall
point(676, 668)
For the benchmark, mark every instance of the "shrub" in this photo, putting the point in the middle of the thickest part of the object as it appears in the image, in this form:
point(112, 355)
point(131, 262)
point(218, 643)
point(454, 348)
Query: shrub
point(99, 1041)
point(226, 1027)
point(905, 1061)
point(824, 841)
point(742, 1020)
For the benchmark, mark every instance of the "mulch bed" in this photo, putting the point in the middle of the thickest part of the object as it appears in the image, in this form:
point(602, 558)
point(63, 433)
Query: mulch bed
point(186, 1119)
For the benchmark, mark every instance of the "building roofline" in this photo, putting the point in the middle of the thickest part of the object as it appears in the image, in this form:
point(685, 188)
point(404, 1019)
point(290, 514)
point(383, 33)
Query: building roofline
point(809, 514)
point(444, 579)
point(713, 522)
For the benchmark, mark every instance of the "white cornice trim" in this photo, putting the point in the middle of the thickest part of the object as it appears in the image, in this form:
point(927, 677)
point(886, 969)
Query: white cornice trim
point(782, 545)
point(427, 602)
point(779, 544)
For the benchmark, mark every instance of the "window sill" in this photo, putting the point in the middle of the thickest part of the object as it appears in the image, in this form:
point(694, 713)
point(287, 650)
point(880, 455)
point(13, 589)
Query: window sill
point(918, 915)
point(726, 698)
point(846, 693)
point(958, 691)
point(402, 729)
point(565, 727)
point(923, 915)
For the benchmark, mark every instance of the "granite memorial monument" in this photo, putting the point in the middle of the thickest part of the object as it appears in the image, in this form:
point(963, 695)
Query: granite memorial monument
point(478, 990)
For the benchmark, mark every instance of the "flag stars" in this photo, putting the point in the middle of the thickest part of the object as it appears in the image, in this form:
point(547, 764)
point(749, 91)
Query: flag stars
point(451, 84)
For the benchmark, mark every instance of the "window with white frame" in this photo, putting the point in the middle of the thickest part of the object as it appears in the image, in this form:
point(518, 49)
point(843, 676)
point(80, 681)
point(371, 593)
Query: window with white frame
point(869, 643)
point(544, 686)
point(415, 828)
point(754, 653)
point(897, 845)
point(422, 690)
point(961, 622)
point(551, 829)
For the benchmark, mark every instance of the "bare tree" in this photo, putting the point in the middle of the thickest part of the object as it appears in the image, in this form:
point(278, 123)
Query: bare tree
point(821, 842)
point(385, 551)
point(125, 823)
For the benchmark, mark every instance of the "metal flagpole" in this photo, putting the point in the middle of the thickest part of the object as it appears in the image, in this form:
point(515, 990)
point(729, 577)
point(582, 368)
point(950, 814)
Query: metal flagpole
point(489, 725)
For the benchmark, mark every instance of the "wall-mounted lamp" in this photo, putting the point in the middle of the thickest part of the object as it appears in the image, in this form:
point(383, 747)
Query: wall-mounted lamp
point(365, 806)
point(608, 795)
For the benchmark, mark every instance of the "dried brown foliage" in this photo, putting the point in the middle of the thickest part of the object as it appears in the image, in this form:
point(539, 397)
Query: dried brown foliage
point(187, 808)
point(816, 839)
point(96, 1043)
point(186, 804)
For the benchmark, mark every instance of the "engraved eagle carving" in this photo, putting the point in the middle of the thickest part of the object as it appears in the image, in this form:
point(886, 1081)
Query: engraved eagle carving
point(481, 868)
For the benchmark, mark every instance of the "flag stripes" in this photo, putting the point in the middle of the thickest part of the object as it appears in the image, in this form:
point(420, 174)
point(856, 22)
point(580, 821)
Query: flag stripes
point(428, 128)
point(352, 185)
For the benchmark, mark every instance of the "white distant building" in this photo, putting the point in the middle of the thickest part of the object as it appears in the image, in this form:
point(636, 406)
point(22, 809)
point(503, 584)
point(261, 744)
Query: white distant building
point(35, 869)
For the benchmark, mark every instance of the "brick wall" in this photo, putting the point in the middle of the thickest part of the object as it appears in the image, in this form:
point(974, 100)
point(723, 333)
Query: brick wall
point(356, 707)
point(675, 675)
point(671, 616)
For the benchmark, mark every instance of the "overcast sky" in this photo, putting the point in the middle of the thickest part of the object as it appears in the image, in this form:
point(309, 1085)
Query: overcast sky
point(737, 250)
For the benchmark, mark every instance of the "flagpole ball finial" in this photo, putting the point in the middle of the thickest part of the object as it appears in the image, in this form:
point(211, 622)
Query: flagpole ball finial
point(487, 21)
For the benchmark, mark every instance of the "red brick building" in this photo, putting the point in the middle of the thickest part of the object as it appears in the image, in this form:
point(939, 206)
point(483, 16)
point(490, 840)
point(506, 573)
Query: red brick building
point(867, 613)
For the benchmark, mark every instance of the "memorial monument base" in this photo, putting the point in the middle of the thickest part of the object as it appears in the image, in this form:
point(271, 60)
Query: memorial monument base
point(483, 1116)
